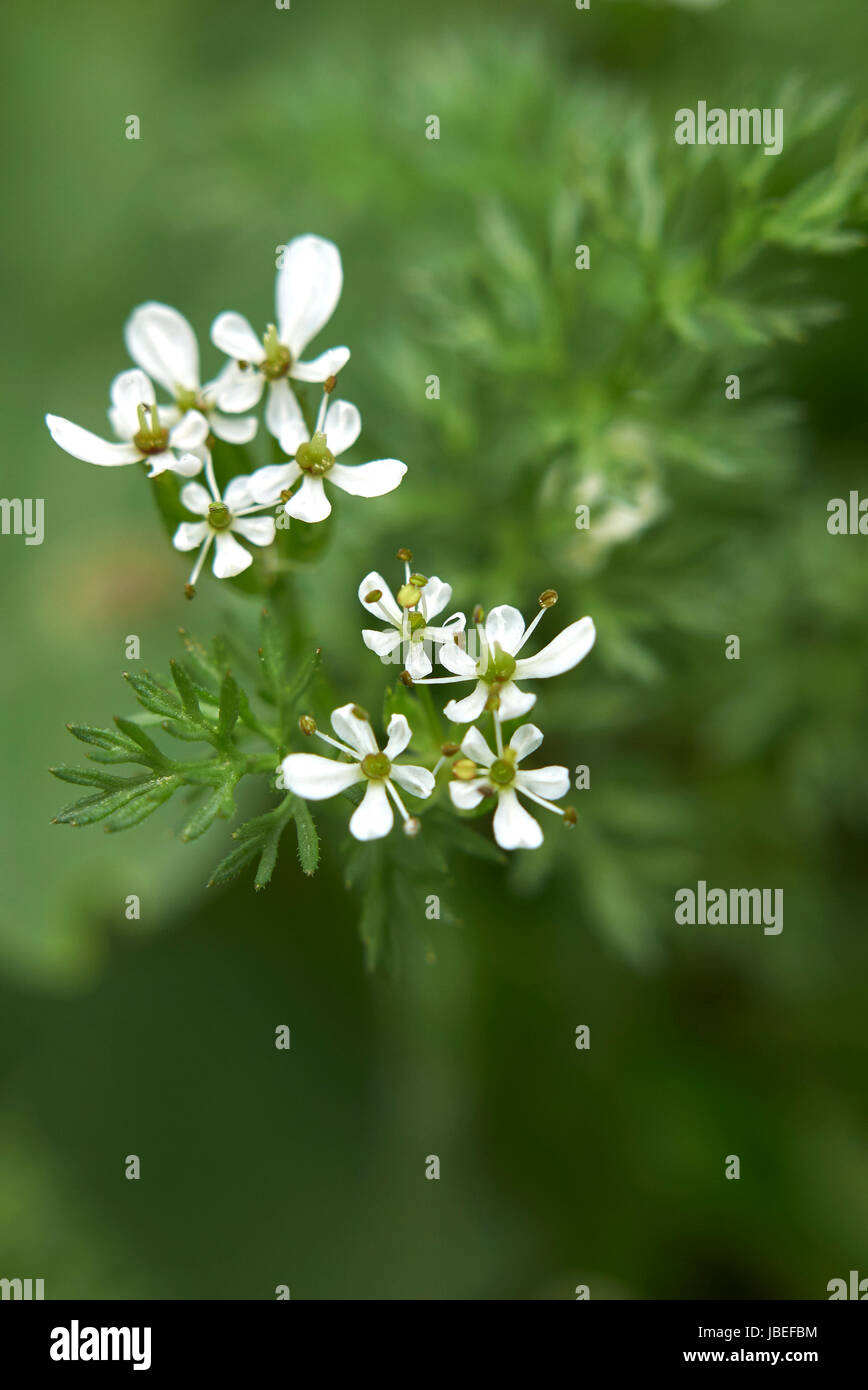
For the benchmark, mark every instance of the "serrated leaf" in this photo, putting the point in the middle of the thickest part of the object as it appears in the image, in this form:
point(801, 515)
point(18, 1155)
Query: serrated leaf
point(153, 696)
point(236, 860)
point(96, 808)
point(308, 839)
point(221, 802)
point(142, 807)
point(87, 776)
point(230, 706)
point(155, 756)
point(187, 692)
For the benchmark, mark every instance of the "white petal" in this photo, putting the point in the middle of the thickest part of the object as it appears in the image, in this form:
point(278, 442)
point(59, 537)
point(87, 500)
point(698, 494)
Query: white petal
point(237, 388)
point(505, 625)
point(310, 502)
point(514, 702)
point(368, 479)
point(342, 426)
point(417, 780)
point(187, 466)
point(525, 740)
point(267, 483)
point(563, 653)
point(196, 498)
point(161, 340)
point(550, 782)
point(190, 431)
point(89, 447)
point(229, 557)
point(514, 828)
point(308, 288)
point(466, 710)
point(385, 604)
point(373, 818)
point(457, 660)
point(398, 734)
point(383, 643)
point(329, 363)
point(189, 535)
point(232, 429)
point(283, 417)
point(128, 391)
point(315, 778)
point(456, 623)
point(354, 731)
point(259, 530)
point(435, 596)
point(418, 662)
point(232, 334)
point(474, 746)
point(237, 495)
point(466, 795)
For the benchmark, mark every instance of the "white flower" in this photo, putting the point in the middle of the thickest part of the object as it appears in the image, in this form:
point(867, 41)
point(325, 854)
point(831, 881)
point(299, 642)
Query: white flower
point(514, 827)
point(337, 428)
point(164, 345)
point(222, 514)
point(315, 778)
point(149, 433)
point(418, 601)
point(308, 287)
point(498, 665)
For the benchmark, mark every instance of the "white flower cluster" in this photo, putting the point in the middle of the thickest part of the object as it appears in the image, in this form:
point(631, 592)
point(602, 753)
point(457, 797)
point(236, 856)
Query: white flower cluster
point(176, 436)
point(494, 666)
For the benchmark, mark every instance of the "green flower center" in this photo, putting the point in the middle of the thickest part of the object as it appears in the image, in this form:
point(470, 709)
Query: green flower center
point(188, 400)
point(219, 516)
point(150, 437)
point(376, 766)
point(417, 621)
point(278, 358)
point(316, 457)
point(501, 666)
point(502, 772)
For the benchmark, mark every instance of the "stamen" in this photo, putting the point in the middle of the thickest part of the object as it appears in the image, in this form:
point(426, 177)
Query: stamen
point(344, 748)
point(200, 560)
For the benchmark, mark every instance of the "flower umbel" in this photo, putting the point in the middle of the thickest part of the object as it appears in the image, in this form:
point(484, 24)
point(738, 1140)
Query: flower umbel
point(410, 615)
point(307, 290)
point(481, 773)
point(316, 778)
point(338, 427)
point(222, 514)
point(498, 664)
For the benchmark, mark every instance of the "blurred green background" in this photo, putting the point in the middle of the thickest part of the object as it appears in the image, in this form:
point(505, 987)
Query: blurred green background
point(558, 386)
